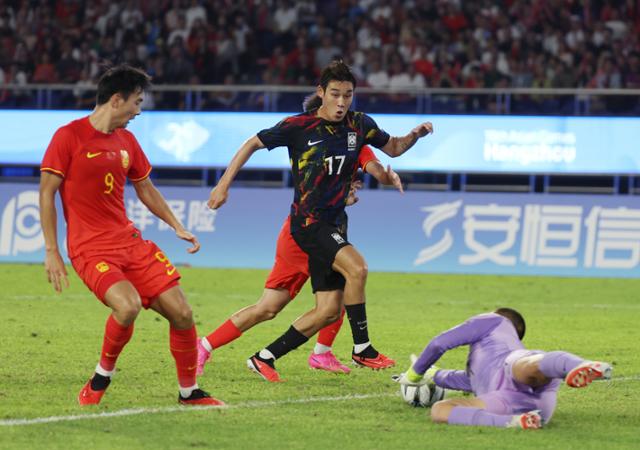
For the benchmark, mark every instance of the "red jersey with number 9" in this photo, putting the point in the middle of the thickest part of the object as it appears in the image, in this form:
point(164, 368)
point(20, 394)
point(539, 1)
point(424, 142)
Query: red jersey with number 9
point(94, 167)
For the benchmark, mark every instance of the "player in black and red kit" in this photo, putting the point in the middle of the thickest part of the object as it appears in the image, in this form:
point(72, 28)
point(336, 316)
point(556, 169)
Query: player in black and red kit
point(324, 145)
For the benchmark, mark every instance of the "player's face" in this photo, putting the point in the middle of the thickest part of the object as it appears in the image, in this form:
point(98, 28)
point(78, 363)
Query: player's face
point(128, 109)
point(336, 100)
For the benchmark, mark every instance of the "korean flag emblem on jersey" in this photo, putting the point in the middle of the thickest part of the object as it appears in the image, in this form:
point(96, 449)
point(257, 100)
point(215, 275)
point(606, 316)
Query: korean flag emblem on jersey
point(352, 140)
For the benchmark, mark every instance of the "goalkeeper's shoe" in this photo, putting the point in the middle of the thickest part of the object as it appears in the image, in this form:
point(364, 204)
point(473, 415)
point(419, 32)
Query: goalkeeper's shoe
point(203, 357)
point(89, 396)
point(588, 371)
point(531, 420)
point(377, 363)
point(266, 369)
point(199, 398)
point(327, 361)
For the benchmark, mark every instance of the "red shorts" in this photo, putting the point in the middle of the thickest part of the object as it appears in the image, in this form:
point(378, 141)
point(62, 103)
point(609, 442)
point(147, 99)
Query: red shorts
point(143, 264)
point(291, 268)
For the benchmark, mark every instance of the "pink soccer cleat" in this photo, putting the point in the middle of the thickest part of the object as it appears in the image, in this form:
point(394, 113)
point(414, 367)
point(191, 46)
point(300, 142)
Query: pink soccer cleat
point(327, 361)
point(203, 357)
point(588, 371)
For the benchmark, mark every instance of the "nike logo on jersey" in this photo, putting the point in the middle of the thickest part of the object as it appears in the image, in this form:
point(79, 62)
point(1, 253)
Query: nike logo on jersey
point(309, 143)
point(93, 155)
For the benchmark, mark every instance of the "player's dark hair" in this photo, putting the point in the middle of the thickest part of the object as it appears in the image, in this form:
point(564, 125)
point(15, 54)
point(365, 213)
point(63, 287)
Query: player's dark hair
point(516, 319)
point(336, 71)
point(122, 79)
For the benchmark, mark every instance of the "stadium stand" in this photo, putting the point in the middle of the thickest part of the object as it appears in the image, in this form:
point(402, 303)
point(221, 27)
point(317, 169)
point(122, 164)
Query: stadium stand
point(222, 55)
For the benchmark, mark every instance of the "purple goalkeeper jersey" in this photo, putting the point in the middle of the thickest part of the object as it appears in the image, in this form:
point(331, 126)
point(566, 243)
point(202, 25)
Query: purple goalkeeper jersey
point(491, 338)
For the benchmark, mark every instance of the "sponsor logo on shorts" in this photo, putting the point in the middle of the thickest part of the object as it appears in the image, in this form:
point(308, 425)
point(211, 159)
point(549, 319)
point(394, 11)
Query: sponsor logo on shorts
point(102, 267)
point(336, 237)
point(352, 140)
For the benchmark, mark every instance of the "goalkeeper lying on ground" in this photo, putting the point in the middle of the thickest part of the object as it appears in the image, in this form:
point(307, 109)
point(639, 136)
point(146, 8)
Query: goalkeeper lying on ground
point(512, 386)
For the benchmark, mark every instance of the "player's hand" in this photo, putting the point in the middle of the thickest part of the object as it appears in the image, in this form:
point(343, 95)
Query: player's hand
point(218, 197)
point(410, 377)
point(56, 271)
point(189, 237)
point(353, 190)
point(394, 179)
point(423, 129)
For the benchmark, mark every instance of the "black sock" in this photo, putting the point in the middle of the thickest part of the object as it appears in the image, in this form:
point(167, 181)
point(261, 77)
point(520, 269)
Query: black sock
point(99, 382)
point(290, 340)
point(368, 352)
point(357, 315)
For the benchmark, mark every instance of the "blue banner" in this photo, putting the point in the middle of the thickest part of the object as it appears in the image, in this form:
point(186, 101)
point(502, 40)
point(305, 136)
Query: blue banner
point(460, 143)
point(524, 234)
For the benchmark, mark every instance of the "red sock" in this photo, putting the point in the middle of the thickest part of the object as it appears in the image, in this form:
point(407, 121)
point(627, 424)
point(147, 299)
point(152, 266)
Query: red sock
point(116, 337)
point(184, 348)
point(224, 334)
point(328, 334)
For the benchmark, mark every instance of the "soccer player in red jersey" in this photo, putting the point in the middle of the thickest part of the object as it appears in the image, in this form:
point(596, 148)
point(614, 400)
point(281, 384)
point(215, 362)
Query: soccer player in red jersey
point(324, 145)
point(289, 273)
point(88, 161)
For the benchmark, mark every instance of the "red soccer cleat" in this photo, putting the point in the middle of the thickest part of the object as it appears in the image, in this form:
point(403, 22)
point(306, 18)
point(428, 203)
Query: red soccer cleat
point(199, 398)
point(88, 396)
point(377, 363)
point(588, 371)
point(263, 369)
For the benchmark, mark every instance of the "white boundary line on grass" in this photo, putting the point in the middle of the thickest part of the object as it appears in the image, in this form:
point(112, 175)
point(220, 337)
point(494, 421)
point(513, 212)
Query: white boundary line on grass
point(170, 409)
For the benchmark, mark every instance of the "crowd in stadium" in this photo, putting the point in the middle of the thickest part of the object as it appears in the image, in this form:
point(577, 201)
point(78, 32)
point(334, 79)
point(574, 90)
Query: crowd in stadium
point(389, 43)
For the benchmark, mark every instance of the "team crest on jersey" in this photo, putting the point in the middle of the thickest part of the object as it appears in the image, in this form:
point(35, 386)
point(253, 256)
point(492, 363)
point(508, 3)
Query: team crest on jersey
point(125, 158)
point(352, 140)
point(102, 267)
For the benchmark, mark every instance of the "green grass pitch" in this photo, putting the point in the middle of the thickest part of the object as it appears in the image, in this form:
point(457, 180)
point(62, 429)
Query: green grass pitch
point(50, 344)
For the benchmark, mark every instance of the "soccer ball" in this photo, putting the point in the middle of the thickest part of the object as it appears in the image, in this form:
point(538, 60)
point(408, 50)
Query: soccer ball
point(422, 396)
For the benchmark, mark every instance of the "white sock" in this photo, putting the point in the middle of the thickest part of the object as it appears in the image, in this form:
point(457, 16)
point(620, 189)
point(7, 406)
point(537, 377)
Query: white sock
point(359, 348)
point(319, 349)
point(104, 372)
point(266, 354)
point(206, 345)
point(187, 391)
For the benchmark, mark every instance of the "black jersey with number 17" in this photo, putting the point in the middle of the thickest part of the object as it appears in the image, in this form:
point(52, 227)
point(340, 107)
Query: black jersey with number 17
point(324, 161)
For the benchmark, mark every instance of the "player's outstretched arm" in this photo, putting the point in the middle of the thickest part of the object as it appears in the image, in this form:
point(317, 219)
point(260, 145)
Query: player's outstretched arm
point(398, 145)
point(153, 199)
point(53, 264)
point(220, 193)
point(388, 177)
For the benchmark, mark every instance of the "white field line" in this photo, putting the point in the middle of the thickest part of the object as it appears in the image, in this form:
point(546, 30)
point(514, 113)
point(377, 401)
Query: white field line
point(171, 409)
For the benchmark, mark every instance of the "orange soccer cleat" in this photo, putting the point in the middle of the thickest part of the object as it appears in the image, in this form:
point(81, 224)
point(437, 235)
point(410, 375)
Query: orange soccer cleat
point(88, 396)
point(265, 370)
point(588, 371)
point(199, 398)
point(377, 363)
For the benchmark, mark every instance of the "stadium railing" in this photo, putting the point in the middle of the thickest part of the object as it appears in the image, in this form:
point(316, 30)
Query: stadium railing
point(280, 98)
